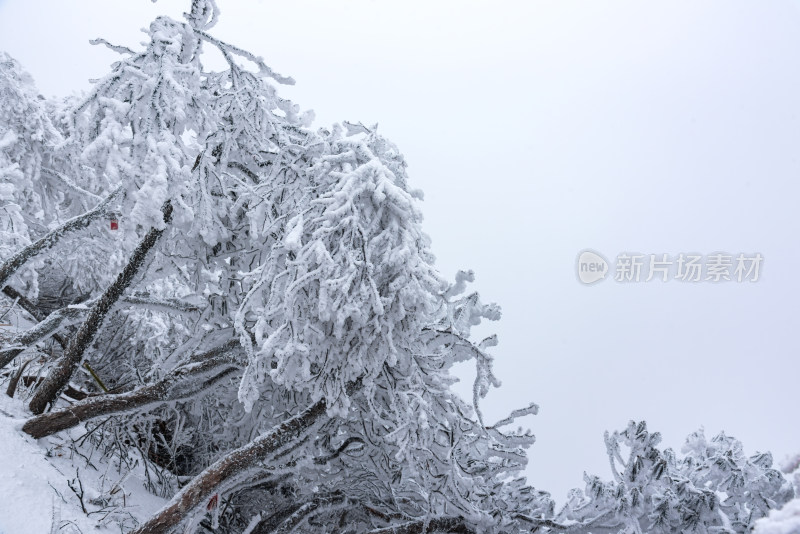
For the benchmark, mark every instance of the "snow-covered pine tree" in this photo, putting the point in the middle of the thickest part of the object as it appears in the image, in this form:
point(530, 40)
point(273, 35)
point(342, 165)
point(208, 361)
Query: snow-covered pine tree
point(269, 319)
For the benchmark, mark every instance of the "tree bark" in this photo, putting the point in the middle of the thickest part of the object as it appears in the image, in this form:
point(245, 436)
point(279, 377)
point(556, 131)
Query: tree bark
point(60, 375)
point(12, 384)
point(203, 486)
point(181, 384)
point(10, 266)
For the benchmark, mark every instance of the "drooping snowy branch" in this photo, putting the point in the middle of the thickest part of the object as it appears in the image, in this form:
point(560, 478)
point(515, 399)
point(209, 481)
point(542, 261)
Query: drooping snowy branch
point(8, 267)
point(47, 327)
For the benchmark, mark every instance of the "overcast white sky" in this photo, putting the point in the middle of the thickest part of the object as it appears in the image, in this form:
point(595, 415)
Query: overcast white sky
point(538, 129)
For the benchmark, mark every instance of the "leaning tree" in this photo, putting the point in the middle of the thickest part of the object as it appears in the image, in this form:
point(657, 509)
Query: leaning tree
point(258, 299)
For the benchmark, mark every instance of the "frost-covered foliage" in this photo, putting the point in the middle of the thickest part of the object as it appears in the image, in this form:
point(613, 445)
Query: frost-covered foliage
point(291, 299)
point(304, 246)
point(713, 487)
point(787, 519)
point(28, 201)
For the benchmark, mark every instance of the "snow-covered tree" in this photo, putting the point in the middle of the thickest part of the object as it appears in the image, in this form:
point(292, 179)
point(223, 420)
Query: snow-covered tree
point(785, 520)
point(268, 317)
point(713, 487)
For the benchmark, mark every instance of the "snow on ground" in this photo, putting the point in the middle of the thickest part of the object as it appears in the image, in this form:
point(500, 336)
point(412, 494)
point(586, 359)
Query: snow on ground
point(35, 480)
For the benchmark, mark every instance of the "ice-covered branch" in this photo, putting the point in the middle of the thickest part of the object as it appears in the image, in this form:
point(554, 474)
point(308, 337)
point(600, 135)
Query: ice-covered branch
point(72, 185)
point(10, 266)
point(40, 331)
point(316, 505)
point(228, 49)
point(168, 305)
point(116, 48)
point(31, 308)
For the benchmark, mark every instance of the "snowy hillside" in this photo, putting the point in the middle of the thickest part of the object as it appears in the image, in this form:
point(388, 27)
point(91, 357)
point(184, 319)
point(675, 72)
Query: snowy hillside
point(63, 484)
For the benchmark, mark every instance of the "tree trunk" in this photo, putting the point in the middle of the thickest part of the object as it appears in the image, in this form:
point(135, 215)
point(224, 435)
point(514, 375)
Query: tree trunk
point(60, 375)
point(203, 486)
point(181, 384)
point(10, 266)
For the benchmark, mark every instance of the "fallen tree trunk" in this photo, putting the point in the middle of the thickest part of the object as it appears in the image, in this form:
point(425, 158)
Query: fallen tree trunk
point(64, 368)
point(183, 383)
point(204, 485)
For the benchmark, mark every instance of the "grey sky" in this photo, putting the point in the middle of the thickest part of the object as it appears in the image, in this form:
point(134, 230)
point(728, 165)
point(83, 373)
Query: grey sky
point(538, 129)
